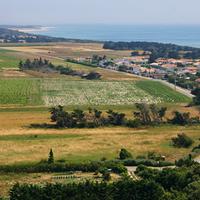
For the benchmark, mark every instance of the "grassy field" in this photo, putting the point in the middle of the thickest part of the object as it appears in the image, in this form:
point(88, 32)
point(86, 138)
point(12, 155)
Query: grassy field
point(18, 141)
point(20, 91)
point(8, 60)
point(155, 89)
point(54, 91)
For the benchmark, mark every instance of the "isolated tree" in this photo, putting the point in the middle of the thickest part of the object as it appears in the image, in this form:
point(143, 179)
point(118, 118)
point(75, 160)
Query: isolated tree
point(143, 114)
point(124, 154)
point(182, 140)
point(51, 157)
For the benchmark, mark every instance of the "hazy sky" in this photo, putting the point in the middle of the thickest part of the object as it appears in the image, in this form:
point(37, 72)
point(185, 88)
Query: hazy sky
point(100, 11)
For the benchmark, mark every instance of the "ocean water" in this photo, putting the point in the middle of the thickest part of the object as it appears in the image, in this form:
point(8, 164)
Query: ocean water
point(181, 34)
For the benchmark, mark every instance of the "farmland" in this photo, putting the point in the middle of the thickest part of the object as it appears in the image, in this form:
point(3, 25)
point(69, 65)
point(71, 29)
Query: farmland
point(7, 60)
point(20, 91)
point(26, 96)
point(53, 91)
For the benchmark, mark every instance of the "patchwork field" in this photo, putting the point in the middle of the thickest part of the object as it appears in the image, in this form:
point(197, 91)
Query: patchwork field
point(53, 91)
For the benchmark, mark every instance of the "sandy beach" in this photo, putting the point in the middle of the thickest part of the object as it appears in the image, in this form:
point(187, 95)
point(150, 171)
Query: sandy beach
point(30, 30)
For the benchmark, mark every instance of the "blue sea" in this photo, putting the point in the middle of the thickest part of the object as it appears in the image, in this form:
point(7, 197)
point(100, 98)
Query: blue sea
point(178, 34)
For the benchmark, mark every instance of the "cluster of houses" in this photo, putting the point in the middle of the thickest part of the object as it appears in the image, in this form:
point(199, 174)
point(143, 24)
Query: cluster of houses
point(140, 65)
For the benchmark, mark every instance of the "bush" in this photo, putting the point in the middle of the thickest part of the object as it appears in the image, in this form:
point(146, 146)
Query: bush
point(106, 176)
point(124, 154)
point(182, 140)
point(187, 161)
point(116, 167)
point(133, 123)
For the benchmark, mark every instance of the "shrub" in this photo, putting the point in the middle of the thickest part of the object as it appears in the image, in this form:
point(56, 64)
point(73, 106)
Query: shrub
point(106, 176)
point(133, 123)
point(187, 161)
point(124, 154)
point(182, 140)
point(181, 118)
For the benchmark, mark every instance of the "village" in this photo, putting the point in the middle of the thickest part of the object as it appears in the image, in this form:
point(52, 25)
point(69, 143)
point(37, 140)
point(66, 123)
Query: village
point(183, 72)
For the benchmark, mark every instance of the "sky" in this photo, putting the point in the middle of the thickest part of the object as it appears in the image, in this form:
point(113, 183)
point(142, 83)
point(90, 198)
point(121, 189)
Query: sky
point(51, 12)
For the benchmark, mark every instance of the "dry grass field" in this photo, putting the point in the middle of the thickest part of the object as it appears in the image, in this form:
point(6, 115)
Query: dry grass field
point(18, 141)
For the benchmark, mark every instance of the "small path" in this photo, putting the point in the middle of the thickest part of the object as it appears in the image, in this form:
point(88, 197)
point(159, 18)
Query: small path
point(132, 170)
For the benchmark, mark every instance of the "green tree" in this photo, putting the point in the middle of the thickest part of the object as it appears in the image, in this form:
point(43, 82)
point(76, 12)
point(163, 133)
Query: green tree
point(182, 140)
point(51, 157)
point(124, 154)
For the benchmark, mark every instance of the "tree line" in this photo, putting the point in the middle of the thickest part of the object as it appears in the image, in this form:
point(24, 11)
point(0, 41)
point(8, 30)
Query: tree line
point(47, 67)
point(158, 50)
point(145, 115)
point(181, 183)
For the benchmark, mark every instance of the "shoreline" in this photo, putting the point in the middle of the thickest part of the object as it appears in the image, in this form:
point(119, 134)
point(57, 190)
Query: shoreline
point(30, 30)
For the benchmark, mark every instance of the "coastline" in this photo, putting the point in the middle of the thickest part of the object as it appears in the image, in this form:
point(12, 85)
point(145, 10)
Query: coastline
point(31, 30)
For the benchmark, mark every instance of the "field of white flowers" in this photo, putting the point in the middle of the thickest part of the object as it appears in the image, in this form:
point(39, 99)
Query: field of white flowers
point(62, 92)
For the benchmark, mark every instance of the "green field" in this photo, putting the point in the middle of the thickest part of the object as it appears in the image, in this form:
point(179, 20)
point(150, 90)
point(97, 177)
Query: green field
point(20, 91)
point(7, 60)
point(51, 92)
point(160, 90)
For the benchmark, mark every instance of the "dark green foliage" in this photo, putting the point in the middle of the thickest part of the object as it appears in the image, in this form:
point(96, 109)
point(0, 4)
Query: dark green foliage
point(135, 123)
point(122, 190)
point(51, 157)
point(181, 118)
point(186, 161)
point(93, 76)
point(124, 154)
point(196, 99)
point(106, 176)
point(45, 66)
point(158, 50)
point(168, 184)
point(182, 140)
point(146, 162)
point(193, 190)
point(116, 167)
point(146, 115)
point(115, 118)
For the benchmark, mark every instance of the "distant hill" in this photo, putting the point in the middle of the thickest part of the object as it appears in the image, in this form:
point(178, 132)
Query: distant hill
point(7, 35)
